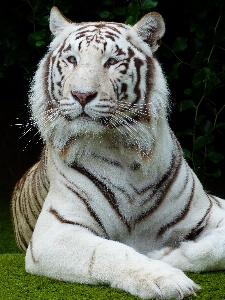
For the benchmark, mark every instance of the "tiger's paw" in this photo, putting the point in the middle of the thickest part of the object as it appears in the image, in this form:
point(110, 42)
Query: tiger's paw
point(160, 254)
point(175, 257)
point(157, 280)
point(190, 256)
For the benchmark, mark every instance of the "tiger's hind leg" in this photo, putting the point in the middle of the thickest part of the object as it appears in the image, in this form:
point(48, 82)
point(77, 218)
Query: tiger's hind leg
point(27, 200)
point(204, 253)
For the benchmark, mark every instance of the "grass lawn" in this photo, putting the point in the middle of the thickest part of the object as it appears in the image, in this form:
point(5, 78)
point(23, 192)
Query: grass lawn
point(15, 283)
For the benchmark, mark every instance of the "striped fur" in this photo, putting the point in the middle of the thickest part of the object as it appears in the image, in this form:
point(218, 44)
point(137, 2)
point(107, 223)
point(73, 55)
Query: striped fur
point(114, 200)
point(28, 200)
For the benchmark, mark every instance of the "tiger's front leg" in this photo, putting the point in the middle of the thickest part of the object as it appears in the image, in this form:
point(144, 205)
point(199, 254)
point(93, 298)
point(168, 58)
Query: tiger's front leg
point(205, 253)
point(63, 249)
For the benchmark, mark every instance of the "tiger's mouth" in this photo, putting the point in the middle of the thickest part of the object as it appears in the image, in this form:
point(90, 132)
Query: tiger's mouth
point(84, 115)
point(102, 120)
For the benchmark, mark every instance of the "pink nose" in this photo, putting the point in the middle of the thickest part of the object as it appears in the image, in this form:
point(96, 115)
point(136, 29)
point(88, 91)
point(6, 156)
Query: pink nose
point(84, 98)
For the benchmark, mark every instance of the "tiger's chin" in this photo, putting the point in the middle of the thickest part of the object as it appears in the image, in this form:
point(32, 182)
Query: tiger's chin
point(69, 132)
point(85, 117)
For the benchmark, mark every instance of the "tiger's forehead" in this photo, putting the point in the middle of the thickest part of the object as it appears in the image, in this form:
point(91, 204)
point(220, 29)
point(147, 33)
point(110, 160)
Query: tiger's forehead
point(100, 32)
point(105, 37)
point(100, 35)
point(102, 27)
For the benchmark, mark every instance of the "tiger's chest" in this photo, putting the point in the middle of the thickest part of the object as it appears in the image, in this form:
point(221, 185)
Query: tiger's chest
point(115, 193)
point(123, 180)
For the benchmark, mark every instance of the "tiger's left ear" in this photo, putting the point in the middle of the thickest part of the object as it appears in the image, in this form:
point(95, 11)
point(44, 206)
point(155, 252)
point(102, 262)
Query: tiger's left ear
point(151, 29)
point(57, 21)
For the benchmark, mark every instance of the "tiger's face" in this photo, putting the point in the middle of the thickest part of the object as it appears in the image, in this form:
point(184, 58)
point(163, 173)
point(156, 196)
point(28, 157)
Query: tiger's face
point(97, 77)
point(96, 73)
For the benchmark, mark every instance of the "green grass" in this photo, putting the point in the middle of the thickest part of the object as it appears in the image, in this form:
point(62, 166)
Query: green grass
point(15, 283)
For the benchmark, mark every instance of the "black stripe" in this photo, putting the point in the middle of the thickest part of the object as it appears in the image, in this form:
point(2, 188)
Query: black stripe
point(22, 242)
point(51, 72)
point(138, 64)
point(59, 68)
point(65, 221)
point(80, 36)
point(196, 231)
point(23, 201)
point(79, 46)
point(144, 190)
point(215, 200)
point(92, 260)
point(15, 216)
point(123, 93)
point(134, 46)
point(68, 48)
point(111, 34)
point(126, 65)
point(121, 189)
point(119, 51)
point(84, 32)
point(85, 26)
point(182, 214)
point(35, 186)
point(115, 88)
point(163, 185)
point(113, 28)
point(108, 194)
point(32, 252)
point(107, 160)
point(110, 37)
point(91, 211)
point(45, 82)
point(89, 208)
point(150, 80)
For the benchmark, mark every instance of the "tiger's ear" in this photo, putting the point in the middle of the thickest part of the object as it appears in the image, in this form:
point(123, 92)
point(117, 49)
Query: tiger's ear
point(151, 28)
point(57, 21)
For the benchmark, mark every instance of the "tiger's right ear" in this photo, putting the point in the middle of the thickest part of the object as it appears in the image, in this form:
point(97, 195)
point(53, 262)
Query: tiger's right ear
point(58, 21)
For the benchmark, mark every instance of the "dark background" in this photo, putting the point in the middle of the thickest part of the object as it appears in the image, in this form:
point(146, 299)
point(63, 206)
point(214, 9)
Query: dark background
point(20, 30)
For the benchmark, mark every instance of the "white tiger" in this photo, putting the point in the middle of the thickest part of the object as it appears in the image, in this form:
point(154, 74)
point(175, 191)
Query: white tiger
point(120, 204)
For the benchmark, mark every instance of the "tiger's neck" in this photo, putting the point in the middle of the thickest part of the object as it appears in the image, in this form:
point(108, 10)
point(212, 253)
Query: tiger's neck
point(109, 155)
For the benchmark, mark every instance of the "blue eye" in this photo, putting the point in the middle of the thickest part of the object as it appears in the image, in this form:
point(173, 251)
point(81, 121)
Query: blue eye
point(72, 59)
point(111, 61)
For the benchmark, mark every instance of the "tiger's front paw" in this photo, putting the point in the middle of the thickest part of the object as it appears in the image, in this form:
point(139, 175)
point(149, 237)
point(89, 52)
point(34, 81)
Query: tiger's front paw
point(192, 256)
point(175, 257)
point(157, 280)
point(160, 254)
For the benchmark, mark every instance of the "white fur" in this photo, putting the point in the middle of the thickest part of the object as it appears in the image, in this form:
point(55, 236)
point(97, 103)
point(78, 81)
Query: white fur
point(134, 259)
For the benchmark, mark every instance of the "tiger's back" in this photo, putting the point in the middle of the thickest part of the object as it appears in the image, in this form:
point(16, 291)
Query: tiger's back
point(27, 200)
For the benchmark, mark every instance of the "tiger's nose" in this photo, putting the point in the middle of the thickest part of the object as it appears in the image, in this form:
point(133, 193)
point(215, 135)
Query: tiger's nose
point(84, 98)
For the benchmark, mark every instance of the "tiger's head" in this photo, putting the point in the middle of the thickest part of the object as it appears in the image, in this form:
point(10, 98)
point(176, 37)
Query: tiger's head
point(98, 77)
